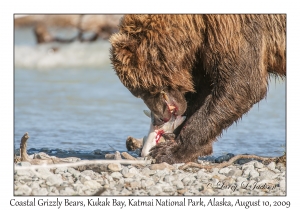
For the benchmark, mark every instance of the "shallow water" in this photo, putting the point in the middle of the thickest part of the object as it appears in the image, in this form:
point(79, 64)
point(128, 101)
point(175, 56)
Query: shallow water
point(71, 99)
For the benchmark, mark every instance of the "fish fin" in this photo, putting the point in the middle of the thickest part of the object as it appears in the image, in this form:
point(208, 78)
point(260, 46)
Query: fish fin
point(178, 121)
point(144, 140)
point(147, 113)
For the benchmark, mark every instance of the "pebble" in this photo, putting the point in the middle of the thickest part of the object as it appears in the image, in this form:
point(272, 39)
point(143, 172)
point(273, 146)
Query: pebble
point(282, 185)
point(54, 179)
point(258, 165)
point(114, 166)
point(253, 174)
point(179, 185)
point(267, 175)
point(39, 191)
point(224, 170)
point(135, 184)
point(151, 180)
point(116, 175)
point(271, 166)
point(23, 164)
point(161, 166)
point(44, 172)
point(92, 184)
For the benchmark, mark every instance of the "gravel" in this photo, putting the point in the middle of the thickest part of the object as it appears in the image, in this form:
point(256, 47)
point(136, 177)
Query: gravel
point(250, 178)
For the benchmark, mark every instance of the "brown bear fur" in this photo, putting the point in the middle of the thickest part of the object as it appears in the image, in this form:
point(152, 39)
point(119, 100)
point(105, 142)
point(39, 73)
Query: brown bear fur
point(214, 67)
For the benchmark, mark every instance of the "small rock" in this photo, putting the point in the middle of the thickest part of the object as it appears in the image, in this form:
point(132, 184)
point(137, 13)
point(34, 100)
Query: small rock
point(241, 179)
point(207, 158)
point(248, 166)
point(24, 164)
point(40, 191)
point(178, 184)
point(89, 173)
point(137, 177)
point(67, 191)
point(35, 185)
point(168, 189)
point(135, 184)
point(114, 167)
point(234, 172)
point(181, 191)
point(253, 174)
point(78, 187)
point(202, 175)
point(219, 177)
point(116, 175)
point(154, 190)
point(74, 172)
point(148, 172)
point(169, 178)
point(258, 165)
point(161, 166)
point(214, 171)
point(162, 173)
point(101, 168)
point(52, 190)
point(119, 186)
point(282, 185)
point(97, 152)
point(276, 170)
point(224, 170)
point(225, 192)
point(147, 183)
point(110, 156)
point(267, 175)
point(54, 179)
point(186, 180)
point(23, 190)
point(24, 172)
point(223, 158)
point(128, 180)
point(35, 178)
point(125, 192)
point(188, 193)
point(271, 166)
point(117, 156)
point(60, 170)
point(84, 179)
point(133, 170)
point(126, 174)
point(92, 184)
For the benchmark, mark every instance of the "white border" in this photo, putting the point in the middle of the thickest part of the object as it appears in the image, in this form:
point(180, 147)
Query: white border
point(154, 6)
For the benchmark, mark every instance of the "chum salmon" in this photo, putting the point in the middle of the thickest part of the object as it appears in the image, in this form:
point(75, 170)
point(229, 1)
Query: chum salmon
point(155, 132)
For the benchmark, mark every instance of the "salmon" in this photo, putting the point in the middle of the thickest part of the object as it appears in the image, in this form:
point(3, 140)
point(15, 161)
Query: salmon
point(155, 132)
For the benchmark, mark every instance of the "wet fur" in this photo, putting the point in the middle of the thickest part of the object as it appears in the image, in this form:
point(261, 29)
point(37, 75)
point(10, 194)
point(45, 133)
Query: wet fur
point(216, 67)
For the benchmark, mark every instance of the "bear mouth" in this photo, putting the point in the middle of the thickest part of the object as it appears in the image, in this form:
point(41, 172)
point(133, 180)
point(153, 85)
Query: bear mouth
point(171, 105)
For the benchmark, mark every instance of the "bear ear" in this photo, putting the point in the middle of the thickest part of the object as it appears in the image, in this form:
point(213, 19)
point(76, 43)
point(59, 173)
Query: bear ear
point(123, 45)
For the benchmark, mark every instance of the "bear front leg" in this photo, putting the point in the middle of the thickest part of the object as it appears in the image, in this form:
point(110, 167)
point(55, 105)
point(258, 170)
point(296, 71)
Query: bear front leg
point(226, 103)
point(172, 152)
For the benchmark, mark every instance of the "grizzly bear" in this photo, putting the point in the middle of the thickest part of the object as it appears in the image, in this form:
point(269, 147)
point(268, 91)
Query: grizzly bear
point(213, 68)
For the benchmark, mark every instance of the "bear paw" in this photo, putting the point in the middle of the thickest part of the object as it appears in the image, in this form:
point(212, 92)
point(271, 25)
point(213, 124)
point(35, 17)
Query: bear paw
point(166, 152)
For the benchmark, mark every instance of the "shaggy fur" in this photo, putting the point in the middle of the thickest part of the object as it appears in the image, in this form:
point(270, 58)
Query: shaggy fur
point(214, 67)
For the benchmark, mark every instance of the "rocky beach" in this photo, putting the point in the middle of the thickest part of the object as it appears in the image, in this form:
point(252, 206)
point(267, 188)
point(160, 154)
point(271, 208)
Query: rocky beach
point(114, 178)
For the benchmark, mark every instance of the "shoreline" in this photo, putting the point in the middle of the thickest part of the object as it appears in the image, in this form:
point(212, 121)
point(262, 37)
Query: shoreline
point(115, 179)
